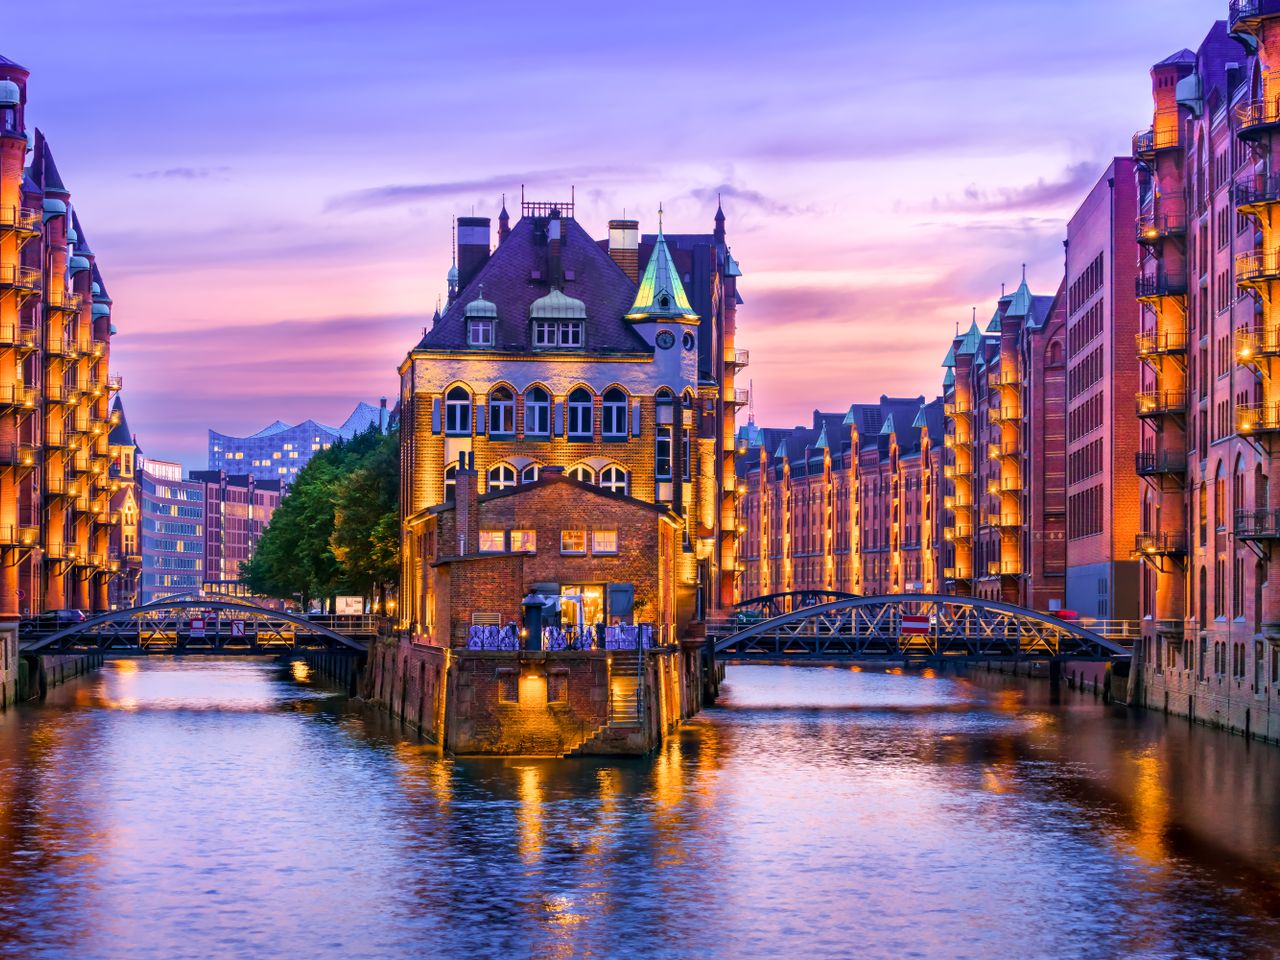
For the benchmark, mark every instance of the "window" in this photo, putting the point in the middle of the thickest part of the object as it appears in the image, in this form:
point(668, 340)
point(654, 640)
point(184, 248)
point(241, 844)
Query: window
point(662, 454)
point(582, 473)
point(604, 541)
point(457, 412)
point(450, 480)
point(544, 333)
point(613, 479)
point(530, 473)
point(502, 412)
point(480, 333)
point(524, 541)
point(537, 413)
point(580, 415)
point(614, 425)
point(557, 333)
point(684, 454)
point(573, 542)
point(502, 477)
point(493, 541)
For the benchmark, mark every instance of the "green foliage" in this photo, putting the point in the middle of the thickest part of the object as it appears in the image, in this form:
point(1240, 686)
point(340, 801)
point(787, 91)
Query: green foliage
point(338, 529)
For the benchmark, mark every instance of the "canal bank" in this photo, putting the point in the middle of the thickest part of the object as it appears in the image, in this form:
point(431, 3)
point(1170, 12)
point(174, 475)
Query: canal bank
point(29, 677)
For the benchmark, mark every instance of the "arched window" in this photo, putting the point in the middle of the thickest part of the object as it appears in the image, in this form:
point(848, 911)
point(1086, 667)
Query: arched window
point(580, 415)
point(537, 413)
point(665, 410)
point(450, 480)
point(502, 412)
point(502, 476)
point(530, 473)
point(582, 473)
point(1219, 499)
point(457, 412)
point(614, 421)
point(613, 479)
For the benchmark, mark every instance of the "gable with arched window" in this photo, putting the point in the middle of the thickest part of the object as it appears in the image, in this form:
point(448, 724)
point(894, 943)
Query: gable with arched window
point(614, 479)
point(502, 476)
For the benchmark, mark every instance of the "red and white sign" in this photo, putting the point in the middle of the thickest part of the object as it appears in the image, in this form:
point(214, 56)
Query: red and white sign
point(197, 628)
point(237, 628)
point(915, 624)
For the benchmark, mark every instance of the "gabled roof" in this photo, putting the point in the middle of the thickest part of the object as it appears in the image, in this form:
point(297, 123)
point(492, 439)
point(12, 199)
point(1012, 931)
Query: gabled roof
point(661, 294)
point(120, 435)
point(515, 275)
point(1182, 56)
point(43, 170)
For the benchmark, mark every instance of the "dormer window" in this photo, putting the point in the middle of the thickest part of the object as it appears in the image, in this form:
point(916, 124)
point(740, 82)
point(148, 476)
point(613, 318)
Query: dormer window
point(557, 333)
point(480, 333)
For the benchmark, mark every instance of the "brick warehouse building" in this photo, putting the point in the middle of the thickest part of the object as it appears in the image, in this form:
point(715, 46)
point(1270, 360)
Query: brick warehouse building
point(846, 505)
point(1003, 513)
point(555, 350)
point(1207, 194)
point(56, 488)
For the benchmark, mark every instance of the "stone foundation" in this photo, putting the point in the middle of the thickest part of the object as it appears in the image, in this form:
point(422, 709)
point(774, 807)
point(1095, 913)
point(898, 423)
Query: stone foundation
point(1217, 701)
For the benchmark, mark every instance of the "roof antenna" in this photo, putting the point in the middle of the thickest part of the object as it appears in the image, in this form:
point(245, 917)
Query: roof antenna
point(1002, 289)
point(1024, 273)
point(751, 403)
point(659, 216)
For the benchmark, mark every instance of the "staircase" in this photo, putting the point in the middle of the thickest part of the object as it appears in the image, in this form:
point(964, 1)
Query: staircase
point(626, 704)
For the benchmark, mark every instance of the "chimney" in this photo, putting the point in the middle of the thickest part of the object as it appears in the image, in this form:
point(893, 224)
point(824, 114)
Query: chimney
point(555, 268)
point(473, 248)
point(624, 246)
point(466, 505)
point(504, 223)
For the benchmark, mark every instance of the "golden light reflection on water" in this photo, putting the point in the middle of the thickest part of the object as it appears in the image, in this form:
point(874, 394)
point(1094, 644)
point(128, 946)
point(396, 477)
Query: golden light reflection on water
point(1150, 808)
point(529, 813)
point(300, 670)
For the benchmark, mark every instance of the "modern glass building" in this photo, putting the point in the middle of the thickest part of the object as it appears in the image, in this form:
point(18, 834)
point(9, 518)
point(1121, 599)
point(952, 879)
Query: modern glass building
point(173, 521)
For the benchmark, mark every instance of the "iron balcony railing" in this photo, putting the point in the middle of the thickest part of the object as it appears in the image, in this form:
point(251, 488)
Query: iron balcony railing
point(1256, 191)
point(1005, 448)
point(739, 360)
point(1238, 10)
point(1004, 568)
point(1170, 544)
point(1004, 521)
point(1254, 343)
point(957, 408)
point(1005, 412)
point(62, 301)
point(1163, 134)
point(114, 382)
point(15, 454)
point(1162, 344)
point(1162, 283)
point(1157, 225)
point(59, 347)
point(1258, 267)
point(1159, 403)
point(20, 219)
point(1255, 418)
point(19, 278)
point(1158, 463)
point(1253, 117)
point(17, 335)
point(1257, 524)
point(741, 397)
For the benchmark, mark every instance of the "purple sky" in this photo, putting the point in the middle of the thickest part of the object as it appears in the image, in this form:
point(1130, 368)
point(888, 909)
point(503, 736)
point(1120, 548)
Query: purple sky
point(268, 184)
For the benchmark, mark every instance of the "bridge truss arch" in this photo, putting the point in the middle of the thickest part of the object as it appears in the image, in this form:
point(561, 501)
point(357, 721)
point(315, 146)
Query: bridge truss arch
point(776, 604)
point(915, 627)
point(165, 626)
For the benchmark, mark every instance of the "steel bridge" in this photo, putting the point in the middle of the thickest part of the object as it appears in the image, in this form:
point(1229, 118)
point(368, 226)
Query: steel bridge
point(201, 626)
point(776, 604)
point(920, 627)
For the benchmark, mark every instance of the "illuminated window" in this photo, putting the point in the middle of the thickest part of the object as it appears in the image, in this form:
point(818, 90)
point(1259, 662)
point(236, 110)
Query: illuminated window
point(502, 412)
point(580, 415)
point(582, 473)
point(493, 541)
point(524, 541)
point(537, 413)
point(530, 473)
point(502, 476)
point(604, 541)
point(457, 412)
point(275, 455)
point(613, 479)
point(480, 333)
point(614, 420)
point(573, 542)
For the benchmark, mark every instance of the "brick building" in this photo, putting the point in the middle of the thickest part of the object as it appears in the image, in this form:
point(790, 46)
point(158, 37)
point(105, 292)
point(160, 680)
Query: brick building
point(1003, 519)
point(237, 508)
point(1102, 373)
point(55, 389)
point(846, 505)
point(126, 509)
point(1208, 278)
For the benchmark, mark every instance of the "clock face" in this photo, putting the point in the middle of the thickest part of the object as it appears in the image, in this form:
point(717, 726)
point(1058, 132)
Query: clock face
point(666, 339)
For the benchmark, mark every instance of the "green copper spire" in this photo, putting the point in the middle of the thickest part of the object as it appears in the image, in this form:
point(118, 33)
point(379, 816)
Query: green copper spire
point(1021, 305)
point(661, 295)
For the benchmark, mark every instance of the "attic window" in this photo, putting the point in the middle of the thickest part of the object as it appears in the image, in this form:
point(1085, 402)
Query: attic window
point(480, 333)
point(664, 301)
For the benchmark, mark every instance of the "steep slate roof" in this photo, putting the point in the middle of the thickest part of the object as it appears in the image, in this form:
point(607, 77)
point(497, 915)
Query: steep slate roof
point(43, 170)
point(506, 276)
point(1182, 56)
point(120, 435)
point(661, 294)
point(6, 62)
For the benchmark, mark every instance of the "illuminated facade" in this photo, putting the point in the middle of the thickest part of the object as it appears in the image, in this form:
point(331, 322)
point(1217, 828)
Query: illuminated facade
point(172, 531)
point(56, 489)
point(126, 505)
point(1003, 510)
point(556, 350)
point(847, 505)
point(237, 508)
point(278, 451)
point(1208, 404)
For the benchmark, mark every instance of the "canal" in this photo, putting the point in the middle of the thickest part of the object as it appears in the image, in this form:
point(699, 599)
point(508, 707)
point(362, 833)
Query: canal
point(234, 809)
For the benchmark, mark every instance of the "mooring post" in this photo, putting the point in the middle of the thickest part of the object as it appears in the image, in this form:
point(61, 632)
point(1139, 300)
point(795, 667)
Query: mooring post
point(1055, 681)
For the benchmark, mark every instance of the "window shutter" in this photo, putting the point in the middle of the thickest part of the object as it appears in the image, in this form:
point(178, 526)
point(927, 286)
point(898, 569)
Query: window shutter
point(435, 415)
point(559, 418)
point(635, 416)
point(480, 419)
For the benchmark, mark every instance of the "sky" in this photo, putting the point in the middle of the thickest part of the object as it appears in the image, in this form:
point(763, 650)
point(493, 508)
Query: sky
point(268, 185)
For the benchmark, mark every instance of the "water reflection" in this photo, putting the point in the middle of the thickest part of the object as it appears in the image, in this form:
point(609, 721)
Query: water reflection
point(238, 808)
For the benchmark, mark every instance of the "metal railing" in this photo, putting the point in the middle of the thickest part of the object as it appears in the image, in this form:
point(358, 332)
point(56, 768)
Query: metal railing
point(555, 638)
point(1163, 134)
point(1256, 190)
point(1004, 412)
point(740, 359)
point(1257, 524)
point(1161, 544)
point(1150, 464)
point(1255, 342)
point(1254, 418)
point(1157, 225)
point(1155, 403)
point(1161, 344)
point(1258, 267)
point(1004, 568)
point(19, 278)
point(17, 335)
point(1254, 115)
point(20, 219)
point(1162, 283)
point(63, 301)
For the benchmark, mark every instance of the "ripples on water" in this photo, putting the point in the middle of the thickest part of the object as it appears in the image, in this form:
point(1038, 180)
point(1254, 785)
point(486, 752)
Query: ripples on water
point(232, 809)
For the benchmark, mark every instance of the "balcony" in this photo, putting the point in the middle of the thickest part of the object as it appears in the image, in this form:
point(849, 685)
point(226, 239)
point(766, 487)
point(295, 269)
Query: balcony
point(61, 551)
point(19, 220)
point(1151, 228)
point(1005, 521)
point(1257, 418)
point(741, 397)
point(1160, 463)
point(58, 392)
point(740, 360)
point(1257, 268)
point(16, 335)
point(14, 454)
point(1005, 448)
point(1257, 525)
point(1163, 134)
point(59, 347)
point(23, 279)
point(17, 395)
point(1005, 413)
point(1245, 14)
point(1162, 283)
point(961, 532)
point(114, 383)
point(1152, 404)
point(1003, 378)
point(1254, 193)
point(1161, 544)
point(1257, 343)
point(1256, 118)
point(957, 408)
point(1161, 344)
point(61, 301)
point(1004, 568)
